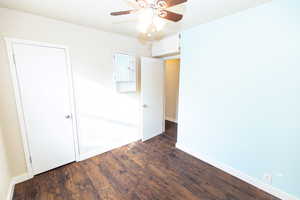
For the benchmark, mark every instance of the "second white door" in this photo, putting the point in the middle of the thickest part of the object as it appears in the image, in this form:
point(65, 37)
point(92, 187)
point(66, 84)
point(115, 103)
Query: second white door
point(43, 81)
point(152, 87)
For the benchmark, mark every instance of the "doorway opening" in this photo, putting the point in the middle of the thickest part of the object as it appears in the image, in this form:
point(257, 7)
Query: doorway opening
point(171, 78)
point(159, 97)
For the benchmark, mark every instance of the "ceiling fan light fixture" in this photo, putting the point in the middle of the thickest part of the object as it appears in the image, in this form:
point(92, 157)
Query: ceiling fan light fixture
point(150, 24)
point(145, 19)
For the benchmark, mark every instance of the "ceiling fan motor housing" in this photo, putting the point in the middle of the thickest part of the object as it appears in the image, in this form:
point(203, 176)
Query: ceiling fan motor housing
point(158, 4)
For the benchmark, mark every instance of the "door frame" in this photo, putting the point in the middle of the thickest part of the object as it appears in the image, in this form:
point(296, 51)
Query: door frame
point(18, 100)
point(177, 108)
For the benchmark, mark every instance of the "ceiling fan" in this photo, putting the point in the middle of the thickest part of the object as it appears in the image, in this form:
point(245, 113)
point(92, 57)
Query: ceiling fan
point(151, 13)
point(158, 7)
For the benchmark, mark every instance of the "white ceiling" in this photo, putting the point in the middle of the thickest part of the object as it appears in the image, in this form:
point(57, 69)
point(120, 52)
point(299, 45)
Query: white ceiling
point(95, 13)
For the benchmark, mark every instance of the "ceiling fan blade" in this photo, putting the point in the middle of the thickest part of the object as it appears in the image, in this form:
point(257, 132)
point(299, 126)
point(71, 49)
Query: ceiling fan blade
point(170, 15)
point(126, 12)
point(170, 3)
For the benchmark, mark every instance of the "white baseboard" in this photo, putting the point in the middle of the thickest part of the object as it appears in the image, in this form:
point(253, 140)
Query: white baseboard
point(14, 181)
point(10, 192)
point(171, 119)
point(21, 178)
point(253, 181)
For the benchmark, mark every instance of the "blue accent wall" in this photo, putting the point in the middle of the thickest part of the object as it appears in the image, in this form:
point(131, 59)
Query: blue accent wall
point(239, 101)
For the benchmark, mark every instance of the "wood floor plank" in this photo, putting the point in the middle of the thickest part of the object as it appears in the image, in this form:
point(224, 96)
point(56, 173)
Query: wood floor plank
point(77, 184)
point(151, 170)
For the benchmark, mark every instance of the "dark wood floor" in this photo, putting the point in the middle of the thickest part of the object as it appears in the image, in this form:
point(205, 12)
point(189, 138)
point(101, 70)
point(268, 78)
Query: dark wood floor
point(171, 130)
point(154, 170)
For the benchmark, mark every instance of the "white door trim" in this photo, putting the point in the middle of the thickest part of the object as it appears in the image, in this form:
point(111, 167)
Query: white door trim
point(18, 100)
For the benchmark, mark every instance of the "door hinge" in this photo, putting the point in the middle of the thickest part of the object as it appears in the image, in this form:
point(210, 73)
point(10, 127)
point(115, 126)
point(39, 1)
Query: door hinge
point(30, 159)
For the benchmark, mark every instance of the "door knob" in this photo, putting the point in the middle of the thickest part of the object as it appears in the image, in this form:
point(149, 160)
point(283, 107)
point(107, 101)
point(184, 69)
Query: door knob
point(68, 116)
point(145, 106)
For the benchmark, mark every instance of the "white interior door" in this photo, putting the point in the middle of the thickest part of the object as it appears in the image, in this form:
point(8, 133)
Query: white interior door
point(152, 86)
point(43, 82)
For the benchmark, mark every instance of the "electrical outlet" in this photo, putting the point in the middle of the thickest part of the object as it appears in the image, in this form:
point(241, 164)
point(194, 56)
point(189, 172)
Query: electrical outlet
point(268, 178)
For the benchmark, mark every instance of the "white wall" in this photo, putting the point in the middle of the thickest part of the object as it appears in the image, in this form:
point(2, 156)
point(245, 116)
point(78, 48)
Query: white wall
point(239, 93)
point(5, 174)
point(102, 112)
